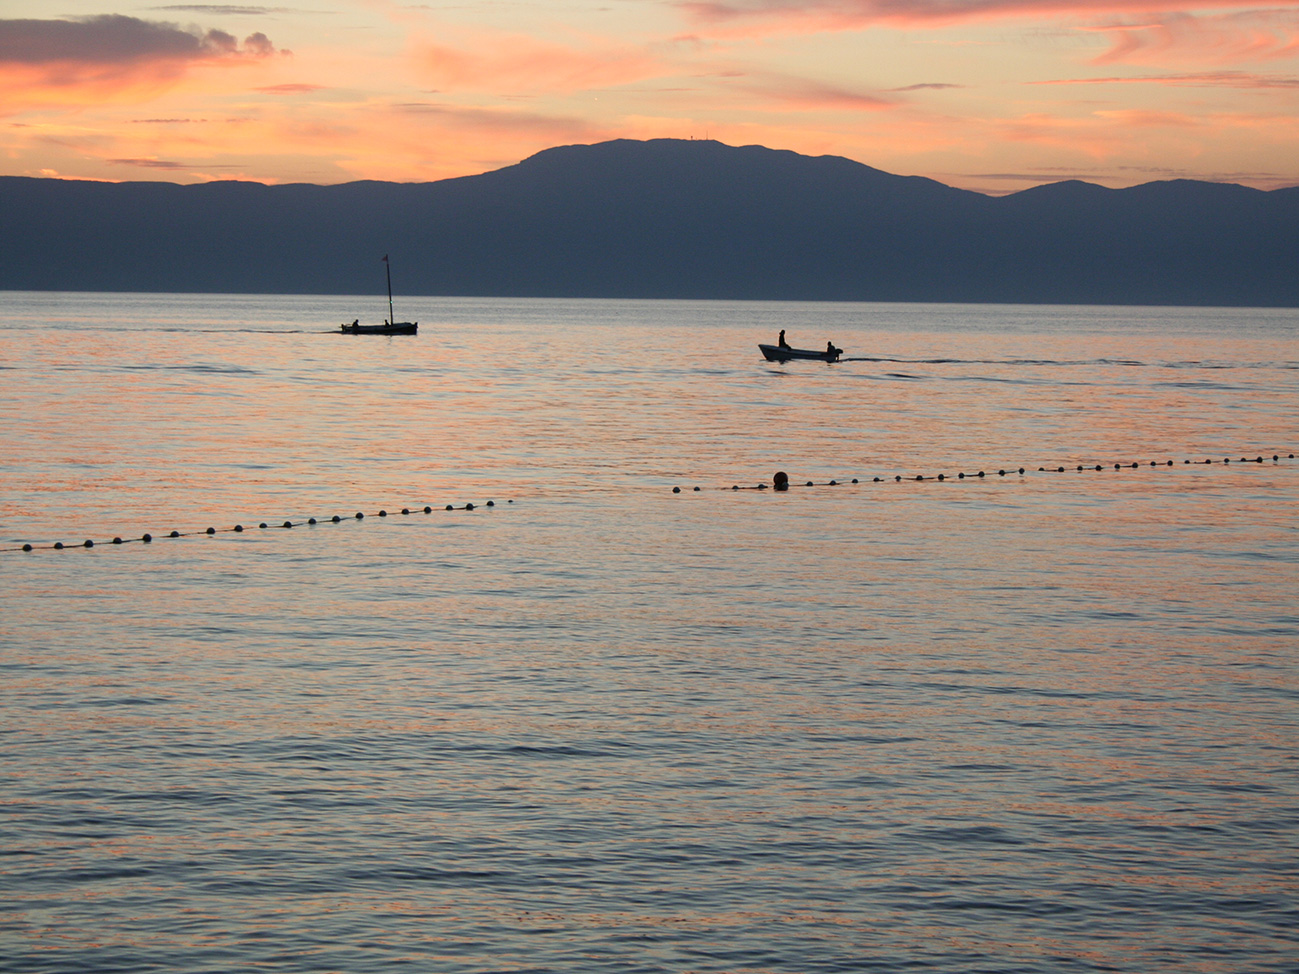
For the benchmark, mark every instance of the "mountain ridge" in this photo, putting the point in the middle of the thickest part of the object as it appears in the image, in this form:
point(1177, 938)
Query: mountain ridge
point(663, 218)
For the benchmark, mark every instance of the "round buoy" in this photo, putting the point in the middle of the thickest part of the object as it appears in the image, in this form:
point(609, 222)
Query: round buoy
point(360, 515)
point(1098, 466)
point(877, 480)
point(941, 477)
point(489, 503)
point(287, 524)
point(1170, 463)
point(174, 534)
point(469, 507)
point(405, 510)
point(89, 544)
point(451, 507)
point(960, 476)
point(493, 503)
point(210, 531)
point(898, 478)
point(263, 525)
point(58, 546)
point(834, 483)
point(764, 487)
point(427, 509)
point(919, 477)
point(735, 486)
point(27, 547)
point(980, 473)
point(854, 480)
point(675, 490)
point(1041, 469)
point(383, 513)
point(808, 484)
point(147, 538)
point(336, 519)
point(239, 529)
point(311, 520)
point(117, 541)
point(1021, 469)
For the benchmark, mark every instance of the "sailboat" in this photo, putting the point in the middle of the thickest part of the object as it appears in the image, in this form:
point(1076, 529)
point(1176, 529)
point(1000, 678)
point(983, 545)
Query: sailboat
point(389, 327)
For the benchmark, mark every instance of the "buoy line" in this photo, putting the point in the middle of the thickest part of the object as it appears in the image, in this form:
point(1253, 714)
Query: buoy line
point(240, 529)
point(780, 482)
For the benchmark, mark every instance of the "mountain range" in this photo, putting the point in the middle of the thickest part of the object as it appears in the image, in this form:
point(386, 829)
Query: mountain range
point(664, 218)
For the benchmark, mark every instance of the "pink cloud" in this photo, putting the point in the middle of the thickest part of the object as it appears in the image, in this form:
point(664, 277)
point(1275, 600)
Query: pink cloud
point(1240, 36)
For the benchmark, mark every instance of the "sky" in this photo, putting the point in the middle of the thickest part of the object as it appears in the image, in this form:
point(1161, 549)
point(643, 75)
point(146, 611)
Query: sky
point(990, 95)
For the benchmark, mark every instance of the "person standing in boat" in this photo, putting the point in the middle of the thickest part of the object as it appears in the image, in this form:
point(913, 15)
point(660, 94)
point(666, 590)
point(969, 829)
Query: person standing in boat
point(782, 343)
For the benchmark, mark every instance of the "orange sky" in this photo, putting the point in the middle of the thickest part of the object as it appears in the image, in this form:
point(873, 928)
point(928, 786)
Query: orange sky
point(993, 95)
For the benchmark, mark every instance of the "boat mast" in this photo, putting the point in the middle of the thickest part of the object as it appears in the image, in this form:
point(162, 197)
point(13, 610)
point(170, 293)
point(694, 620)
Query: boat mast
point(388, 268)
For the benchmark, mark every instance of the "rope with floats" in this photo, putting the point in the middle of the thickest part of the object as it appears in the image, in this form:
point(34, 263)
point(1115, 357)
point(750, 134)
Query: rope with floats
point(780, 482)
point(240, 529)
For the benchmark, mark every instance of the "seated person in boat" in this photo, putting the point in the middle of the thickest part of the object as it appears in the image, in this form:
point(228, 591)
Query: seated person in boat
point(782, 343)
point(831, 351)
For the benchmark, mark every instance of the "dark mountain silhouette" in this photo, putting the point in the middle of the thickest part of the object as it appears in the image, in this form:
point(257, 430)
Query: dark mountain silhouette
point(663, 219)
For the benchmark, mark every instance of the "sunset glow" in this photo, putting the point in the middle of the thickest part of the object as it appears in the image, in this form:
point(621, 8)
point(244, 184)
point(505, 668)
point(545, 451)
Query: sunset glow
point(992, 95)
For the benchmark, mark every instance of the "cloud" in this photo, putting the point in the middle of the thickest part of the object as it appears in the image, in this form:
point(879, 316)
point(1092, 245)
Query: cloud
point(290, 89)
point(769, 17)
point(1250, 35)
point(1212, 79)
point(147, 163)
point(114, 39)
point(94, 60)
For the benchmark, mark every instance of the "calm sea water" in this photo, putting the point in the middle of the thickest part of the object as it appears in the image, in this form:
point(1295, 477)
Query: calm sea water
point(1039, 722)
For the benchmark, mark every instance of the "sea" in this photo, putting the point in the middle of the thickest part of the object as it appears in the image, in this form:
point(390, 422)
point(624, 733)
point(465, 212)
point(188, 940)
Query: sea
point(492, 649)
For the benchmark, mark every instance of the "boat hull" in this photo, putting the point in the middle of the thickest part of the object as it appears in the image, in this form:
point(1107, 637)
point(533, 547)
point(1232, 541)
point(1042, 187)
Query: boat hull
point(775, 353)
point(396, 328)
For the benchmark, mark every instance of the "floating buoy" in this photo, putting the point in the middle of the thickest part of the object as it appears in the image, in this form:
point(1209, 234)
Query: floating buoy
point(960, 476)
point(898, 478)
point(808, 484)
point(359, 515)
point(89, 543)
point(489, 503)
point(427, 509)
point(263, 525)
point(834, 483)
point(493, 503)
point(383, 513)
point(940, 477)
point(27, 547)
point(287, 524)
point(405, 510)
point(210, 531)
point(854, 480)
point(175, 534)
point(117, 541)
point(919, 477)
point(980, 473)
point(239, 528)
point(675, 490)
point(311, 520)
point(469, 507)
point(336, 519)
point(58, 546)
point(735, 486)
point(147, 538)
